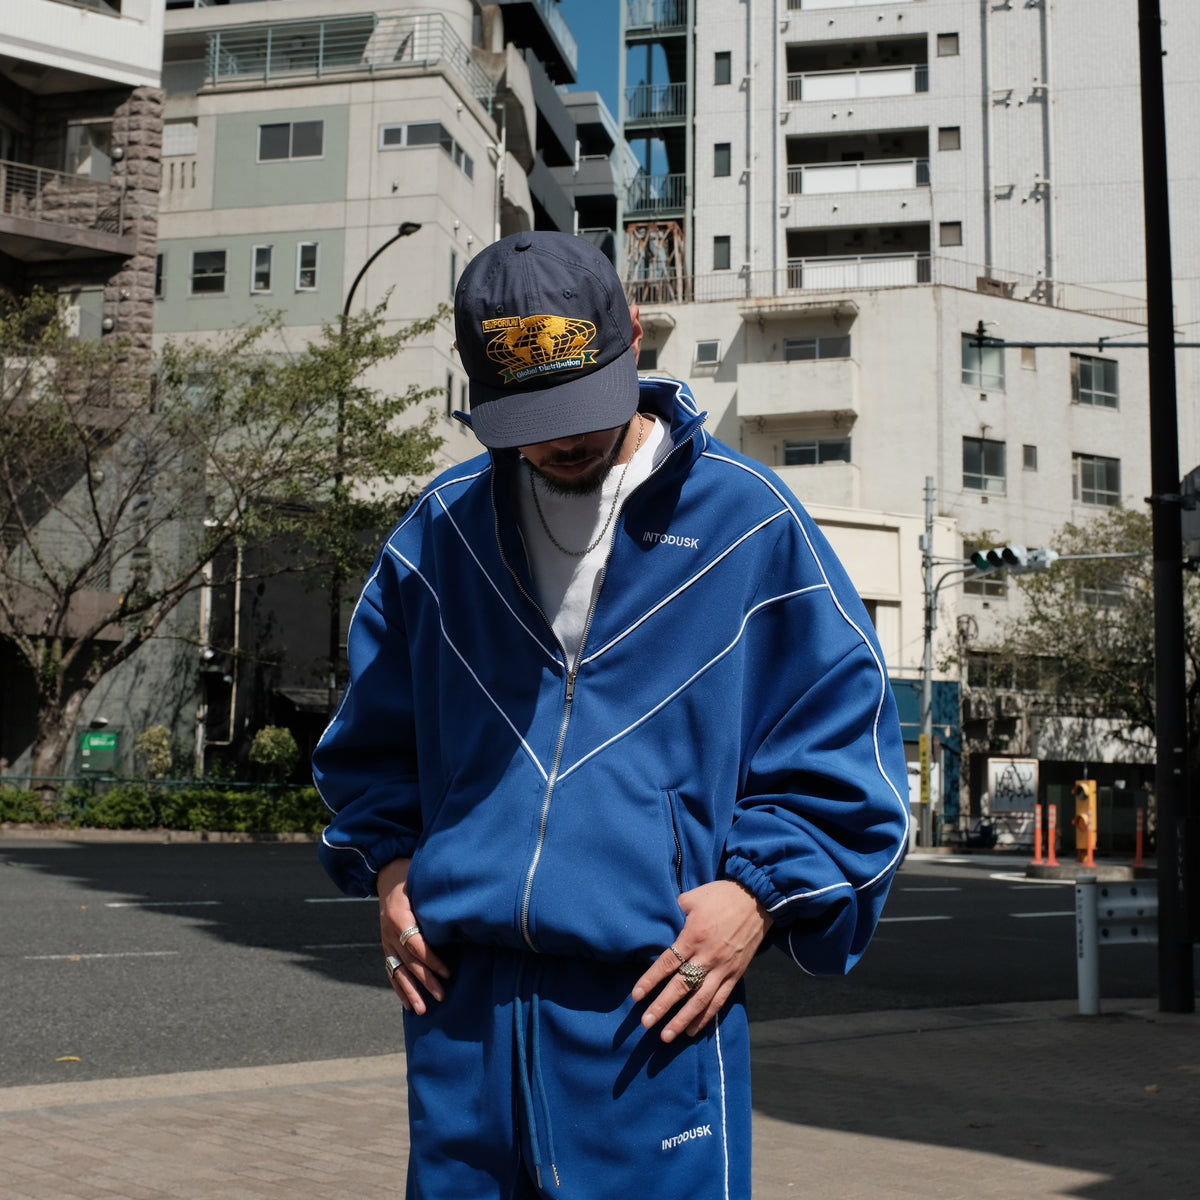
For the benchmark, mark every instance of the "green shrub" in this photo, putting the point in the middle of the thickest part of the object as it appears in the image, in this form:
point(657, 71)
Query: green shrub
point(126, 807)
point(154, 745)
point(275, 751)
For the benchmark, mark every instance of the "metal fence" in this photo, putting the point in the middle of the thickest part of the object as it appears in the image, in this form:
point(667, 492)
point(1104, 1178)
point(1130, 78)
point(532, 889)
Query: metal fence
point(38, 194)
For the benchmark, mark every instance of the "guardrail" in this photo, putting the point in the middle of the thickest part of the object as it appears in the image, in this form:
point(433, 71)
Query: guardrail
point(872, 175)
point(862, 84)
point(1109, 914)
point(38, 194)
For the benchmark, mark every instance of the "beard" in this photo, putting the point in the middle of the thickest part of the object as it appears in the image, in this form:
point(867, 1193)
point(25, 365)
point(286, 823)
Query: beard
point(583, 485)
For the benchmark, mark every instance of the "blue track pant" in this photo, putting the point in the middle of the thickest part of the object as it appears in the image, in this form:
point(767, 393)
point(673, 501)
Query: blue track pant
point(534, 1078)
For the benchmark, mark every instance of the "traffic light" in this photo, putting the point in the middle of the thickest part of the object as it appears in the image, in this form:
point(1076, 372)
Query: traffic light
point(1016, 559)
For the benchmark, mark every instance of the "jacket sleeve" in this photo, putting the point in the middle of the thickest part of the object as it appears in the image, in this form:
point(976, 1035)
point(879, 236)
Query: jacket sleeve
point(365, 763)
point(822, 819)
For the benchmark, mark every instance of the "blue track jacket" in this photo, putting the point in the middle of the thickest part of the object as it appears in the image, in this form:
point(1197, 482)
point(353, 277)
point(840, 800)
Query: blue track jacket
point(729, 716)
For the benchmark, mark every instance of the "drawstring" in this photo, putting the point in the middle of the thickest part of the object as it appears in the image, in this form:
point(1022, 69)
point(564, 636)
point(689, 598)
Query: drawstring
point(524, 1063)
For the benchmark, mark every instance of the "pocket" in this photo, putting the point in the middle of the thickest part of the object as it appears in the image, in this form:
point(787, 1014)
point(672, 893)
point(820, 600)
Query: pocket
point(674, 840)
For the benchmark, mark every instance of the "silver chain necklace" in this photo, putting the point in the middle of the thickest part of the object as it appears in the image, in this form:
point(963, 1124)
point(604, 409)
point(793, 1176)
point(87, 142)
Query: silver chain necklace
point(537, 504)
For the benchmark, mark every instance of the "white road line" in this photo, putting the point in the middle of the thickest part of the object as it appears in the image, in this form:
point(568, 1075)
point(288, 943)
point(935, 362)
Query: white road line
point(882, 920)
point(338, 899)
point(119, 954)
point(931, 889)
point(343, 945)
point(160, 903)
point(1025, 881)
point(1044, 914)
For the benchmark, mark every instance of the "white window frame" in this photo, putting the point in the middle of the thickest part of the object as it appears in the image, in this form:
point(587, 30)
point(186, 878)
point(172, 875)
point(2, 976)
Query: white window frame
point(316, 266)
point(446, 143)
point(1081, 495)
point(1095, 397)
point(989, 483)
point(826, 347)
point(708, 352)
point(224, 291)
point(982, 366)
point(255, 290)
point(818, 446)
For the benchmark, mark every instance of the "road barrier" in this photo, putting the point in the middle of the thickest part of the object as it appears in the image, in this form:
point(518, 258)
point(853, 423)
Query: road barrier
point(1107, 914)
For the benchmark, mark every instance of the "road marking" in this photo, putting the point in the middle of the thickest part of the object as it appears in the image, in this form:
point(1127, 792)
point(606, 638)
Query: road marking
point(159, 903)
point(343, 945)
point(1025, 881)
point(1044, 914)
point(118, 954)
point(939, 918)
point(338, 899)
point(931, 889)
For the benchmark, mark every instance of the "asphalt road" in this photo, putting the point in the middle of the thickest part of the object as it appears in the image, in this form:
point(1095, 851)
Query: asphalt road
point(132, 959)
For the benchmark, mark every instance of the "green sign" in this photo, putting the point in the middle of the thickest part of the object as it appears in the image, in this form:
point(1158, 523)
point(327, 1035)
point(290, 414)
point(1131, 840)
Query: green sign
point(98, 750)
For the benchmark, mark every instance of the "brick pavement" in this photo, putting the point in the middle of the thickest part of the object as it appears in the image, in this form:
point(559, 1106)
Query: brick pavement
point(1022, 1101)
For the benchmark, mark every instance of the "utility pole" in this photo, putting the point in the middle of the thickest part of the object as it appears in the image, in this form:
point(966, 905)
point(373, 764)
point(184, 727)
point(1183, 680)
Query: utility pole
point(1176, 988)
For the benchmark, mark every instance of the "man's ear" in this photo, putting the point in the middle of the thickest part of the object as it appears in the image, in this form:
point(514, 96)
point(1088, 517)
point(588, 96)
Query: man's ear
point(635, 315)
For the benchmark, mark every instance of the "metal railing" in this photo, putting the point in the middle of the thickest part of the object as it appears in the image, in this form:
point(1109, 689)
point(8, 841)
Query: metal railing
point(656, 14)
point(652, 102)
point(877, 175)
point(38, 194)
point(816, 4)
point(649, 194)
point(557, 24)
point(858, 85)
point(343, 46)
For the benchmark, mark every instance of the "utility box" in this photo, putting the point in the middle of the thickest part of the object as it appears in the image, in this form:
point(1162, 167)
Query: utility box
point(99, 751)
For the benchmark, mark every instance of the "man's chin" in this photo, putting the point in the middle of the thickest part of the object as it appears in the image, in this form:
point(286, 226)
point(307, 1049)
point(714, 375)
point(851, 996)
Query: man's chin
point(573, 483)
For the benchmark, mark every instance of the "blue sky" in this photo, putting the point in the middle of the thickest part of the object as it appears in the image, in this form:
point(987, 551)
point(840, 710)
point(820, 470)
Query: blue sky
point(596, 27)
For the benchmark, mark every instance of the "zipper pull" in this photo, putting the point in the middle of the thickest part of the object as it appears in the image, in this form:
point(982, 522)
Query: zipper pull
point(570, 686)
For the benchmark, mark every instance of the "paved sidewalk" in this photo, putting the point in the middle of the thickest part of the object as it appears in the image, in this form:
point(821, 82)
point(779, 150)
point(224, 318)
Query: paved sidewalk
point(1021, 1101)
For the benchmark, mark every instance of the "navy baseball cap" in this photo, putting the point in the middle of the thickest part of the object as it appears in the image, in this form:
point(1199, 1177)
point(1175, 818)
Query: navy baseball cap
point(545, 337)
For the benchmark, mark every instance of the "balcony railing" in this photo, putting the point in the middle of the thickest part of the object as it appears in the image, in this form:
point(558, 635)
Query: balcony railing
point(793, 5)
point(648, 195)
point(37, 194)
point(656, 102)
point(881, 175)
point(656, 14)
point(343, 46)
point(858, 85)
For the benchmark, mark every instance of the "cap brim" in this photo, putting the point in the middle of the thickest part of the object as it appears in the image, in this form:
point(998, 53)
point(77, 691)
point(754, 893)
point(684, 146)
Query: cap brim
point(604, 399)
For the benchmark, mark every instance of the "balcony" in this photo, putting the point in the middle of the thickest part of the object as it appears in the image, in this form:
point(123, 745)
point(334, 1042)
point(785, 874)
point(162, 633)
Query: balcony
point(857, 271)
point(805, 5)
point(655, 104)
point(858, 85)
point(835, 484)
point(348, 46)
point(816, 387)
point(656, 16)
point(880, 175)
point(538, 25)
point(656, 196)
point(48, 215)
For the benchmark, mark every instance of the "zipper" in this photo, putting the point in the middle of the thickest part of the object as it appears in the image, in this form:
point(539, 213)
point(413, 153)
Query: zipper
point(572, 672)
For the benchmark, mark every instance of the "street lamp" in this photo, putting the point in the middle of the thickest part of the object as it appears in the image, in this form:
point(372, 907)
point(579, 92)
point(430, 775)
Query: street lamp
point(335, 581)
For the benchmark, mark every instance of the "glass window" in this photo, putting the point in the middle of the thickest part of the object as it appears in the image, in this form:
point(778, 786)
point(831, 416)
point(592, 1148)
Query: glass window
point(802, 349)
point(722, 67)
point(160, 262)
point(648, 358)
point(1096, 480)
point(274, 142)
point(1029, 458)
point(816, 452)
point(947, 45)
point(291, 139)
point(1094, 381)
point(708, 352)
point(391, 135)
point(721, 158)
point(950, 233)
point(950, 138)
point(208, 272)
point(983, 465)
point(982, 366)
point(721, 254)
point(260, 274)
point(306, 267)
point(308, 139)
point(426, 134)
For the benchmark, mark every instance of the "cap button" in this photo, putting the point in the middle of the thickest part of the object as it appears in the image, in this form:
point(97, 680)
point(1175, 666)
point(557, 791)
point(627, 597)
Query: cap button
point(523, 242)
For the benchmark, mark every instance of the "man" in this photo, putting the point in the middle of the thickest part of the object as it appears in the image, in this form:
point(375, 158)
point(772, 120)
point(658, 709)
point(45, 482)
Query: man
point(615, 719)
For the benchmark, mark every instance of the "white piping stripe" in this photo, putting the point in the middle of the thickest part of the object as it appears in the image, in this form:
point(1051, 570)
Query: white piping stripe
point(683, 587)
point(325, 841)
point(833, 887)
point(724, 1121)
point(540, 644)
point(446, 638)
point(901, 802)
point(687, 683)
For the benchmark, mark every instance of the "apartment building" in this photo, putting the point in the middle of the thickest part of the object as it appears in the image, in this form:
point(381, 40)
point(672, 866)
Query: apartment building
point(835, 197)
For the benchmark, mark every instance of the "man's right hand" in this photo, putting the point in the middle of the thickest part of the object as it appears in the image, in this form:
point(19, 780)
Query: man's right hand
point(421, 972)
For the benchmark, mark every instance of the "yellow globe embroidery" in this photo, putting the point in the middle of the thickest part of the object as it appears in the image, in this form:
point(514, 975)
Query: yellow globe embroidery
point(542, 344)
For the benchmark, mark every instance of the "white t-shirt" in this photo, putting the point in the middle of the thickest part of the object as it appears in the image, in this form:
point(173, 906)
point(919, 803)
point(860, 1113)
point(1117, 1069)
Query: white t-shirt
point(566, 584)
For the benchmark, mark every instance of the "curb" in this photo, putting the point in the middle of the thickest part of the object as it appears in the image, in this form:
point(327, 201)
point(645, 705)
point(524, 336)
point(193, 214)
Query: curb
point(15, 833)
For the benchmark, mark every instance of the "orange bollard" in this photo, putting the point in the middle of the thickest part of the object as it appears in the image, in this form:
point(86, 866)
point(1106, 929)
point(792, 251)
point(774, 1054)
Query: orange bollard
point(1037, 835)
point(1052, 836)
point(1137, 862)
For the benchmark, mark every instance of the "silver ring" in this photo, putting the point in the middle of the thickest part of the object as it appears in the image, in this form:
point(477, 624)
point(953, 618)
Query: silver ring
point(405, 934)
point(677, 954)
point(693, 975)
point(391, 964)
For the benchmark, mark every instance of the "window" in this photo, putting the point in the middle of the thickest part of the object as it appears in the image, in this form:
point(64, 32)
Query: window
point(1029, 458)
point(721, 254)
point(426, 133)
point(708, 353)
point(803, 349)
point(1102, 594)
point(950, 233)
point(950, 138)
point(816, 452)
point(291, 140)
point(983, 465)
point(449, 394)
point(208, 272)
point(721, 158)
point(260, 271)
point(1094, 381)
point(453, 271)
point(648, 359)
point(160, 292)
point(306, 267)
point(982, 366)
point(1029, 358)
point(947, 45)
point(722, 67)
point(1096, 480)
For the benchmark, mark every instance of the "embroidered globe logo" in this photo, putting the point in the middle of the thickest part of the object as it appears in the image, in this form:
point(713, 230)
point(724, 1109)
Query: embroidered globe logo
point(542, 345)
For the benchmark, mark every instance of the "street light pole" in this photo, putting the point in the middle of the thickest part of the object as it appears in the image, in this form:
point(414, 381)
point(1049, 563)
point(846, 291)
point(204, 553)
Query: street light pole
point(336, 574)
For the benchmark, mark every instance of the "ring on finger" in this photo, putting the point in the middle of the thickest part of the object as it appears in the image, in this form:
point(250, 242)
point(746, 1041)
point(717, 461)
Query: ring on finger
point(677, 954)
point(391, 964)
point(693, 974)
point(405, 934)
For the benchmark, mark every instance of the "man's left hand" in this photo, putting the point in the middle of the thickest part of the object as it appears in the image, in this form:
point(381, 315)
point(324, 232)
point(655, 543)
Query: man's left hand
point(723, 928)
